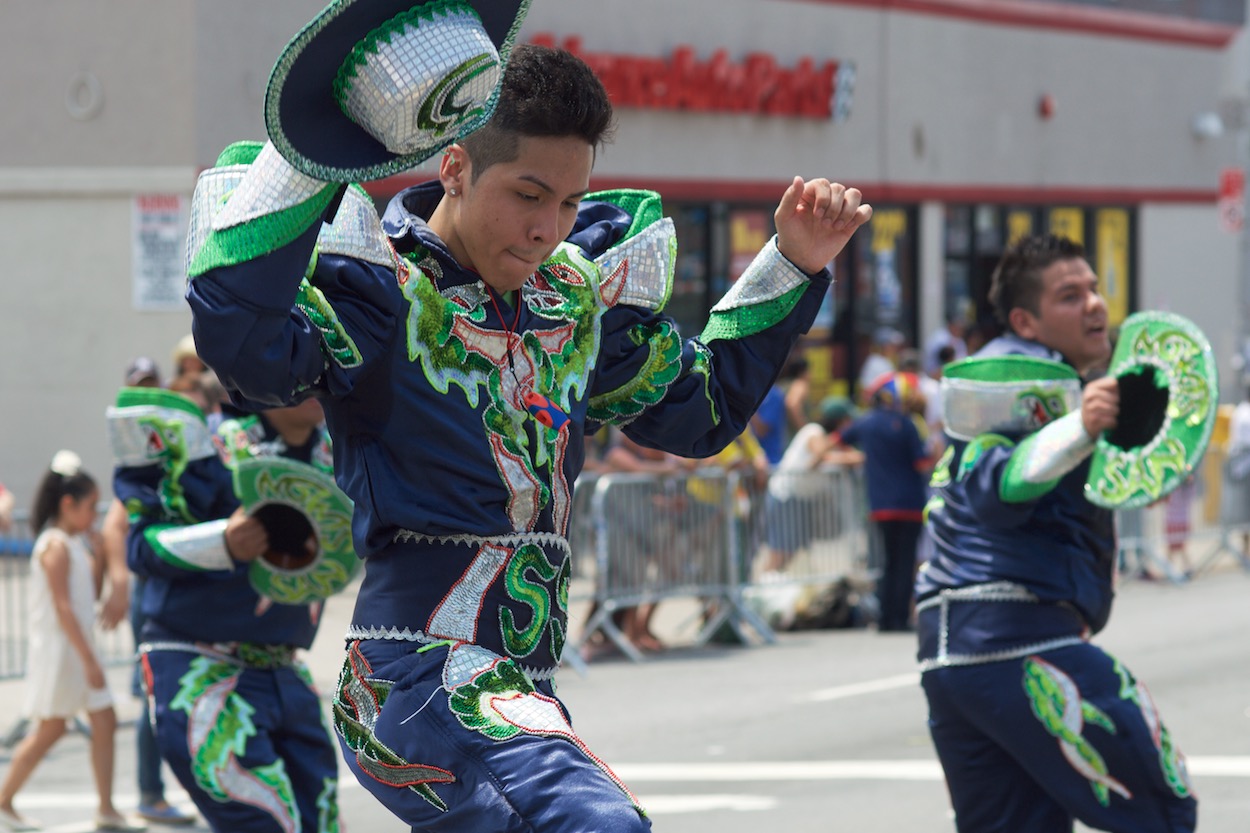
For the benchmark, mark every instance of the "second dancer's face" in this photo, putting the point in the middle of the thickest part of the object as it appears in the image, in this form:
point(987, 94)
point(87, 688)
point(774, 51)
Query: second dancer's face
point(510, 220)
point(1071, 315)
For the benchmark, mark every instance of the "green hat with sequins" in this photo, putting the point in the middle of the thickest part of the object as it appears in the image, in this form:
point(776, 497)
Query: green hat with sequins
point(1169, 399)
point(309, 523)
point(371, 88)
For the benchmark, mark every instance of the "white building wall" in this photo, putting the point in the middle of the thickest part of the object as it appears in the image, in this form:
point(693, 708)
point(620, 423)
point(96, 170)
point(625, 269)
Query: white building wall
point(1188, 265)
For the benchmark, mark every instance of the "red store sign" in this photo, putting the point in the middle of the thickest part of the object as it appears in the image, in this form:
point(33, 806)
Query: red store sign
point(757, 84)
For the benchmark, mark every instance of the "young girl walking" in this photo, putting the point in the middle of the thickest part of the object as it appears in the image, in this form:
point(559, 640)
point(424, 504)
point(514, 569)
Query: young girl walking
point(65, 675)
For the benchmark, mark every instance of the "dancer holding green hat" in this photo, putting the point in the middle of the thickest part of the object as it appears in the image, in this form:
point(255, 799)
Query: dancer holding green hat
point(1034, 725)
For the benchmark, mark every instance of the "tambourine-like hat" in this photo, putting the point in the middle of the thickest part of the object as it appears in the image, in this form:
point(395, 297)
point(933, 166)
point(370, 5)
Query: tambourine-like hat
point(370, 88)
point(1013, 394)
point(1169, 397)
point(309, 523)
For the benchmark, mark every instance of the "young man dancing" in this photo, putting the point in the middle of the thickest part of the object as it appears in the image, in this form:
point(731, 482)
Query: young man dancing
point(462, 350)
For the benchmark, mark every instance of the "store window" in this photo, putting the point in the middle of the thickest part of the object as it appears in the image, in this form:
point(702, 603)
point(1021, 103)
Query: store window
point(977, 235)
point(690, 301)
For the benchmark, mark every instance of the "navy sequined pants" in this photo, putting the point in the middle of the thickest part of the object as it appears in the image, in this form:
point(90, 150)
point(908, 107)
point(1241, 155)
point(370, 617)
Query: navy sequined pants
point(248, 744)
point(1029, 744)
point(451, 737)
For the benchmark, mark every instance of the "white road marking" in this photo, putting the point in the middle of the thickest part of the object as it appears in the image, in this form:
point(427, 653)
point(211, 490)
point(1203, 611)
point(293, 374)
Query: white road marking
point(664, 805)
point(898, 770)
point(842, 692)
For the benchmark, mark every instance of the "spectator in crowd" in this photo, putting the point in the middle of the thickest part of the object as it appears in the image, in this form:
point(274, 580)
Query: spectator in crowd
point(894, 464)
point(952, 336)
point(1177, 523)
point(1235, 497)
point(65, 675)
point(641, 526)
point(886, 344)
point(186, 359)
point(795, 490)
point(6, 510)
point(770, 422)
point(143, 372)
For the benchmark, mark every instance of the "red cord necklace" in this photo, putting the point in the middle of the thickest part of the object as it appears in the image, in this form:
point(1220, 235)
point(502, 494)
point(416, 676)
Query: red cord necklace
point(539, 407)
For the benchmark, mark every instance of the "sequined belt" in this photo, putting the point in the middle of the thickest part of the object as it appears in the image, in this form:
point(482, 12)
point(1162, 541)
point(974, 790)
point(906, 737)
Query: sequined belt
point(991, 623)
point(506, 593)
point(245, 654)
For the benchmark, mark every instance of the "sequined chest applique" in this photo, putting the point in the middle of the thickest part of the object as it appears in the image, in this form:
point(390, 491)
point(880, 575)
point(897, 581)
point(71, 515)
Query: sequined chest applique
point(522, 378)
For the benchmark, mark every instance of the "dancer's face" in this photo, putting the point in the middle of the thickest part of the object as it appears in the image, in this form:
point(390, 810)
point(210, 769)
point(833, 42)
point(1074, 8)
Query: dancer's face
point(1071, 316)
point(512, 218)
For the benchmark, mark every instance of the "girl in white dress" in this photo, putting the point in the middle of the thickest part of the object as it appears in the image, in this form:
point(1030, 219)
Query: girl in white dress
point(65, 676)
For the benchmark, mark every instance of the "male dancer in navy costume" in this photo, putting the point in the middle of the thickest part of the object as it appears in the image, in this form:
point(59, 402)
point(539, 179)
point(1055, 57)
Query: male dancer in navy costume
point(1034, 725)
point(234, 710)
point(461, 356)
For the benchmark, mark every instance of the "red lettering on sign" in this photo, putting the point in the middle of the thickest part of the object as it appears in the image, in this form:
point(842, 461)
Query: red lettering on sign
point(757, 85)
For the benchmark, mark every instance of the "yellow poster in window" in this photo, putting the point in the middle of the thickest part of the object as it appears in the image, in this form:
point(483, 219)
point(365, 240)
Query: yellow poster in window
point(1068, 222)
point(1111, 248)
point(1019, 225)
point(888, 225)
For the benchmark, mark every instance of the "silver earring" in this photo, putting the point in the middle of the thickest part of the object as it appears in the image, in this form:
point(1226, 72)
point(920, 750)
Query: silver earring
point(452, 191)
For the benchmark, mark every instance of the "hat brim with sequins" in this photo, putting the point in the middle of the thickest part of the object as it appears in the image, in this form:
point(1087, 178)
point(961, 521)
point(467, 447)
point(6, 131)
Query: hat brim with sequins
point(1169, 399)
point(371, 88)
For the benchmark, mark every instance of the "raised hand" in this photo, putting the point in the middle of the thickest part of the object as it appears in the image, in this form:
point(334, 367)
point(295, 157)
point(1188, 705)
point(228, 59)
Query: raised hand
point(815, 220)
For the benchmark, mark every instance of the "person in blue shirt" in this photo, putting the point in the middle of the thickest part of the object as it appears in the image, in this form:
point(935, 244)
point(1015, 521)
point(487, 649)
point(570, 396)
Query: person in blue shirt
point(462, 349)
point(1034, 725)
point(894, 462)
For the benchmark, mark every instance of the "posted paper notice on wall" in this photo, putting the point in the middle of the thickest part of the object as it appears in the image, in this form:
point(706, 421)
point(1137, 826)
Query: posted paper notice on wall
point(158, 235)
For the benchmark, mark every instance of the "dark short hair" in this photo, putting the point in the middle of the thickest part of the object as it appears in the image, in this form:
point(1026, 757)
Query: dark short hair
point(544, 92)
point(1017, 280)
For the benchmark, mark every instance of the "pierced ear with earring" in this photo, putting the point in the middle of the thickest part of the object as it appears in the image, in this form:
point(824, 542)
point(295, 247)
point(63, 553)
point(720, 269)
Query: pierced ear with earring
point(452, 192)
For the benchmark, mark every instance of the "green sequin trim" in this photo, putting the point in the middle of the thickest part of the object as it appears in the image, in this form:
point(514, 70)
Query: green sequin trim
point(741, 322)
point(337, 344)
point(397, 25)
point(218, 750)
point(643, 207)
point(356, 690)
point(942, 470)
point(658, 372)
point(158, 398)
point(167, 555)
point(239, 153)
point(250, 240)
point(1013, 488)
point(504, 678)
point(973, 452)
point(522, 641)
point(1171, 761)
point(1057, 704)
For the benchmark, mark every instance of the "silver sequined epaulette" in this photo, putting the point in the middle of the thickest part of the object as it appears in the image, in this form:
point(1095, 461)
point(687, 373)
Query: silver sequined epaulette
point(357, 231)
point(211, 190)
point(769, 276)
point(639, 272)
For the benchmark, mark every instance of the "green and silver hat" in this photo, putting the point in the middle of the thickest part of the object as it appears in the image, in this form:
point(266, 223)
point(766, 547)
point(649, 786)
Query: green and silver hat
point(309, 523)
point(1013, 395)
point(1169, 398)
point(371, 88)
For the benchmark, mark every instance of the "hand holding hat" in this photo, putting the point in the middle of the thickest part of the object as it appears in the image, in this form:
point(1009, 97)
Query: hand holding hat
point(370, 88)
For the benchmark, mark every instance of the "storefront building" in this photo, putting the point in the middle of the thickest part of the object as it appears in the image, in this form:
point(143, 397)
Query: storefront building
point(966, 123)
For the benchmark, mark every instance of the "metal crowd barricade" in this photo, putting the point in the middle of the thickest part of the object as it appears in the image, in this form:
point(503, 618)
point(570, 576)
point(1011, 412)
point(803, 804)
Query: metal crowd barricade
point(714, 536)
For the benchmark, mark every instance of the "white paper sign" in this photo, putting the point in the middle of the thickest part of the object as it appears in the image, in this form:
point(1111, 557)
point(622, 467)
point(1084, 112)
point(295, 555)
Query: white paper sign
point(158, 235)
